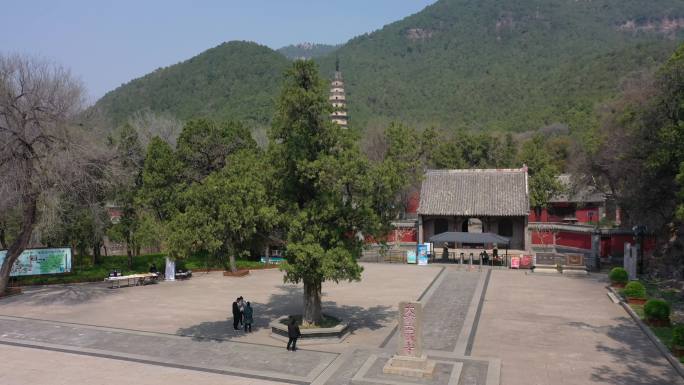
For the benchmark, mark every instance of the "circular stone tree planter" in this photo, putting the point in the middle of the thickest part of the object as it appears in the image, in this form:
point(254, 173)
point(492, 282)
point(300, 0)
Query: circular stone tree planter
point(311, 336)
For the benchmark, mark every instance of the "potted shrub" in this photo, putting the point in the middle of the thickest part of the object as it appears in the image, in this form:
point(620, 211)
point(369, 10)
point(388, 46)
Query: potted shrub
point(635, 293)
point(657, 312)
point(618, 277)
point(678, 341)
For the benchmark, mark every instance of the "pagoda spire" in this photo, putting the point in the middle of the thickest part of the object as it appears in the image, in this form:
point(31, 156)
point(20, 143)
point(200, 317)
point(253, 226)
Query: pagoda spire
point(338, 98)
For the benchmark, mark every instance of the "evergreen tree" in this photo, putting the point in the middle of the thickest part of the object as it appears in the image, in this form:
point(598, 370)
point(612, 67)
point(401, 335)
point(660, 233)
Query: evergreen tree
point(226, 211)
point(543, 173)
point(325, 186)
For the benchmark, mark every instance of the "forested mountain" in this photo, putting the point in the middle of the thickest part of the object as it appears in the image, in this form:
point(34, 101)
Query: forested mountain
point(505, 64)
point(488, 64)
point(307, 50)
point(235, 80)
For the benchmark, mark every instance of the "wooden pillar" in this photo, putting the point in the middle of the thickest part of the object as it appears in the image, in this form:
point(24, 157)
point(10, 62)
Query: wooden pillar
point(420, 229)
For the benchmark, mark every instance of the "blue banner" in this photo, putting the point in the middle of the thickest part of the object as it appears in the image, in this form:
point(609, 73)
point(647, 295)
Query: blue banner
point(423, 254)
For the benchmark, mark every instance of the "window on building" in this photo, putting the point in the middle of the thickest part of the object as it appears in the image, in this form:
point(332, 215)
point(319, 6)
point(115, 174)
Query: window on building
point(506, 227)
point(441, 226)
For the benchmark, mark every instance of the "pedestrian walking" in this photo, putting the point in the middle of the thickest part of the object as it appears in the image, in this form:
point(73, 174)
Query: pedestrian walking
point(293, 333)
point(248, 317)
point(236, 313)
point(241, 307)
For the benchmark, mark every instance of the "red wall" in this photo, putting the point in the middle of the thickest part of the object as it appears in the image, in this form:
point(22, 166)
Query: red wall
point(563, 238)
point(403, 235)
point(611, 244)
point(397, 235)
point(582, 214)
point(578, 240)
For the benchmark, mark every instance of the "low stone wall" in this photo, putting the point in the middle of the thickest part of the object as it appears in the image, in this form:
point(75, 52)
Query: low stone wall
point(311, 336)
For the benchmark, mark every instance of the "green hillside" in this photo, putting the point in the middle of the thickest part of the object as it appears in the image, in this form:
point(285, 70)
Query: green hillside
point(235, 80)
point(480, 64)
point(307, 50)
point(504, 64)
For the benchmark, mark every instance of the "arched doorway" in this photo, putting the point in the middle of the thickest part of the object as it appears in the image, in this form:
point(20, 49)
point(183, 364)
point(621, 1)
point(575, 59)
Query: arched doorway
point(471, 225)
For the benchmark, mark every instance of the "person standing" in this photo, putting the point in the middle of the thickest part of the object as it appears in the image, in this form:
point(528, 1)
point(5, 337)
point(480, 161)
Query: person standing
point(241, 306)
point(248, 317)
point(293, 333)
point(236, 313)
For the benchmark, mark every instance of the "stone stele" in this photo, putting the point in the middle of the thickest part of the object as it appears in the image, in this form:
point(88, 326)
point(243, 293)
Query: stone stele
point(410, 360)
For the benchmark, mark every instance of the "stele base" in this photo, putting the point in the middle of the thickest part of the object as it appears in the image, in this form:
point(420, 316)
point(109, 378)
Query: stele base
point(409, 366)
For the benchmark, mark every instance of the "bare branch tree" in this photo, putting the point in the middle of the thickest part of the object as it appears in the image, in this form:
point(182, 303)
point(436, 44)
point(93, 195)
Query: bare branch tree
point(149, 124)
point(46, 149)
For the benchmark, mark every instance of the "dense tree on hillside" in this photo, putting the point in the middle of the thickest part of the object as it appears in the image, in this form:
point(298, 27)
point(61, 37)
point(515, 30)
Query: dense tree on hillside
point(640, 152)
point(232, 81)
point(473, 150)
point(44, 152)
point(325, 187)
point(486, 65)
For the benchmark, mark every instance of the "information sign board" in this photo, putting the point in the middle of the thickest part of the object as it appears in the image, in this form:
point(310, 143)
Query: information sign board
point(40, 261)
point(423, 254)
point(411, 256)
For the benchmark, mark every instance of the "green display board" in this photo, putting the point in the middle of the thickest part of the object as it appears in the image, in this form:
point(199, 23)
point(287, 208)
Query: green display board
point(40, 261)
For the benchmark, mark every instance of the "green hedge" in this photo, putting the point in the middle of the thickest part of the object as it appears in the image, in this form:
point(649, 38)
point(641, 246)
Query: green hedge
point(657, 309)
point(618, 275)
point(678, 335)
point(634, 289)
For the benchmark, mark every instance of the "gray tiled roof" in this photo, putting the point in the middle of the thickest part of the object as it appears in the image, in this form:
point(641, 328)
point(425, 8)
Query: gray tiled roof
point(575, 193)
point(475, 193)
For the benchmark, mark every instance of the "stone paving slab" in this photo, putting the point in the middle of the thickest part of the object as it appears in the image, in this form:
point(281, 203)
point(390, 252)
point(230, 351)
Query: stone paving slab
point(220, 356)
point(30, 366)
point(445, 310)
point(446, 373)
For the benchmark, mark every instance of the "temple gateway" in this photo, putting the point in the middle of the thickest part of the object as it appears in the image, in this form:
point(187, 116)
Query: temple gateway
point(479, 200)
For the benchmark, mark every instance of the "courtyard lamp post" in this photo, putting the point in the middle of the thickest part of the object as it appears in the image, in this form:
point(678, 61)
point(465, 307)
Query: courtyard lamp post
point(639, 232)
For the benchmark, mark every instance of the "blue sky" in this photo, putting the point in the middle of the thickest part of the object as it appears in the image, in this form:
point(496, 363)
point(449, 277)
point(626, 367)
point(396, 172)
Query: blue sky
point(107, 43)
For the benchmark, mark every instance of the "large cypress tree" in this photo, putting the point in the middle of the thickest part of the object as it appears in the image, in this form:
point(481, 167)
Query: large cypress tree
point(325, 187)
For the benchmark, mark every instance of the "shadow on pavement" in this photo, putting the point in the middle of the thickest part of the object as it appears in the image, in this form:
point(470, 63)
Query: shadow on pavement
point(286, 302)
point(61, 295)
point(634, 353)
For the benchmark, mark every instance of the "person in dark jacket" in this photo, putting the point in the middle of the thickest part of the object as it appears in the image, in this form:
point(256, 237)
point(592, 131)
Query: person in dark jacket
point(248, 317)
point(293, 332)
point(236, 314)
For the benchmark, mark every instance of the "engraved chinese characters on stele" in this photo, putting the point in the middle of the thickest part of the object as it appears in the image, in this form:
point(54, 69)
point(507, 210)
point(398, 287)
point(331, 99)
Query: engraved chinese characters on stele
point(410, 336)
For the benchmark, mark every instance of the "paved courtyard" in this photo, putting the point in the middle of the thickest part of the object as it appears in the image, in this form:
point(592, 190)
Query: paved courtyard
point(528, 329)
point(551, 329)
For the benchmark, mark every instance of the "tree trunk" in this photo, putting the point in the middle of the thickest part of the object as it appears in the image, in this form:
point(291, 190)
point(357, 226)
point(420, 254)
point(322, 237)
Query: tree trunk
point(312, 302)
point(231, 261)
point(96, 254)
point(129, 252)
point(17, 247)
point(130, 249)
point(3, 238)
